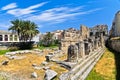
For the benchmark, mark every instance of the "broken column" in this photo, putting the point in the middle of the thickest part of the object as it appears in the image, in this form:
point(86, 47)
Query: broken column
point(81, 49)
point(101, 40)
point(72, 53)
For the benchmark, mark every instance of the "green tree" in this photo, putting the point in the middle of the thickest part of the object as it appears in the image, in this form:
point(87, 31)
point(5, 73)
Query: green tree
point(26, 30)
point(48, 39)
point(16, 26)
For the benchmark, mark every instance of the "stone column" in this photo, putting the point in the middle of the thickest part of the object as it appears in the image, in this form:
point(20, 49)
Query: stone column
point(3, 37)
point(96, 44)
point(81, 49)
point(102, 40)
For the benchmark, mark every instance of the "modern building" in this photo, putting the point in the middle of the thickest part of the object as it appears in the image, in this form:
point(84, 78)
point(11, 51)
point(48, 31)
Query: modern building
point(6, 36)
point(36, 38)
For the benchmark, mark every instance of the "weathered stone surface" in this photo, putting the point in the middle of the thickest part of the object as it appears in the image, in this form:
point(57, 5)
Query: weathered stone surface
point(102, 40)
point(84, 31)
point(96, 43)
point(34, 65)
point(16, 57)
point(64, 76)
point(5, 62)
point(34, 75)
point(81, 49)
point(37, 67)
point(67, 65)
point(98, 29)
point(50, 74)
point(44, 63)
point(87, 48)
point(115, 30)
point(45, 68)
point(72, 53)
point(48, 58)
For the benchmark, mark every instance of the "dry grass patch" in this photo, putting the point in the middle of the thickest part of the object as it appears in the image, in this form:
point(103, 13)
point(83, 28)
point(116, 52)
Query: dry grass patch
point(105, 68)
point(23, 67)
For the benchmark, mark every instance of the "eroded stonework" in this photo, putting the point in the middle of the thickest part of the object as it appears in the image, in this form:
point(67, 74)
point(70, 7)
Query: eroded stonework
point(78, 43)
point(89, 36)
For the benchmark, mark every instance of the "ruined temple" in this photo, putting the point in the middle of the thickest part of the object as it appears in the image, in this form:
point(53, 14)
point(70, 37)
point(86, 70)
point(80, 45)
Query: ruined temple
point(98, 29)
point(71, 36)
point(91, 37)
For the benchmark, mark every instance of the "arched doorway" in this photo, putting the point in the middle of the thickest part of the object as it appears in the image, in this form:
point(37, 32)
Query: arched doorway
point(6, 37)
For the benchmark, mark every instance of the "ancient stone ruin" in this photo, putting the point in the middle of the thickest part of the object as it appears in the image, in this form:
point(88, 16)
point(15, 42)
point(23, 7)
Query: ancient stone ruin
point(114, 35)
point(83, 41)
point(84, 47)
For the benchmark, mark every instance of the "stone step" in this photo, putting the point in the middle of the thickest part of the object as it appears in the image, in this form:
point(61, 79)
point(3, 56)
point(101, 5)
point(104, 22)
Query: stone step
point(83, 70)
point(81, 64)
point(80, 68)
point(85, 74)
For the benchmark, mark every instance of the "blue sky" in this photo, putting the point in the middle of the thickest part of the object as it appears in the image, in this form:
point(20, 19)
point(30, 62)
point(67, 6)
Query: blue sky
point(52, 15)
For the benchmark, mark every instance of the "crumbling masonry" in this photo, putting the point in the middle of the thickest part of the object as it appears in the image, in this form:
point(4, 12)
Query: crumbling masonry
point(78, 43)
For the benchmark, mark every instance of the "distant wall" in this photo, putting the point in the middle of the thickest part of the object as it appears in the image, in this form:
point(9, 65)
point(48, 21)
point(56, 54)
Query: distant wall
point(114, 44)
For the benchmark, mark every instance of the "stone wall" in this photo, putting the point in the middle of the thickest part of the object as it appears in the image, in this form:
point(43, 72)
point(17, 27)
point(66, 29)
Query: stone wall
point(84, 31)
point(71, 36)
point(114, 44)
point(115, 30)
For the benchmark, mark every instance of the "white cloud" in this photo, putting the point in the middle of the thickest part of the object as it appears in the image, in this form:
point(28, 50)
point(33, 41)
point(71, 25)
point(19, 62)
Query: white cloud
point(19, 12)
point(49, 16)
point(58, 15)
point(9, 6)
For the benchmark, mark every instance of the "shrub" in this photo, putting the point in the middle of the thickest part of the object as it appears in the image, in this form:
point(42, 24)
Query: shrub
point(13, 48)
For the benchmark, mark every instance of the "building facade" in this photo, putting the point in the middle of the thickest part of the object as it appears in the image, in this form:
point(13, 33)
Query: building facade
point(6, 36)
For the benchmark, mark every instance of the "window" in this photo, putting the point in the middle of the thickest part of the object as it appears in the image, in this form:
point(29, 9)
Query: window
point(1, 38)
point(15, 38)
point(11, 37)
point(6, 37)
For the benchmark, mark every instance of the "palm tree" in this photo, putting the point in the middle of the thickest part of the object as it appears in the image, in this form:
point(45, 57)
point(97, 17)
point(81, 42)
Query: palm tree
point(16, 26)
point(26, 30)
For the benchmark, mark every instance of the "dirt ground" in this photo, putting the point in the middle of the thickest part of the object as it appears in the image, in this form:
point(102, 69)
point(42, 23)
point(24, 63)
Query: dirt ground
point(23, 68)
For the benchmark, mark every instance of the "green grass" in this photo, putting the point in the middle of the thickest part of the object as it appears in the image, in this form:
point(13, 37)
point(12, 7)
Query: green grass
point(105, 69)
point(3, 51)
point(94, 76)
